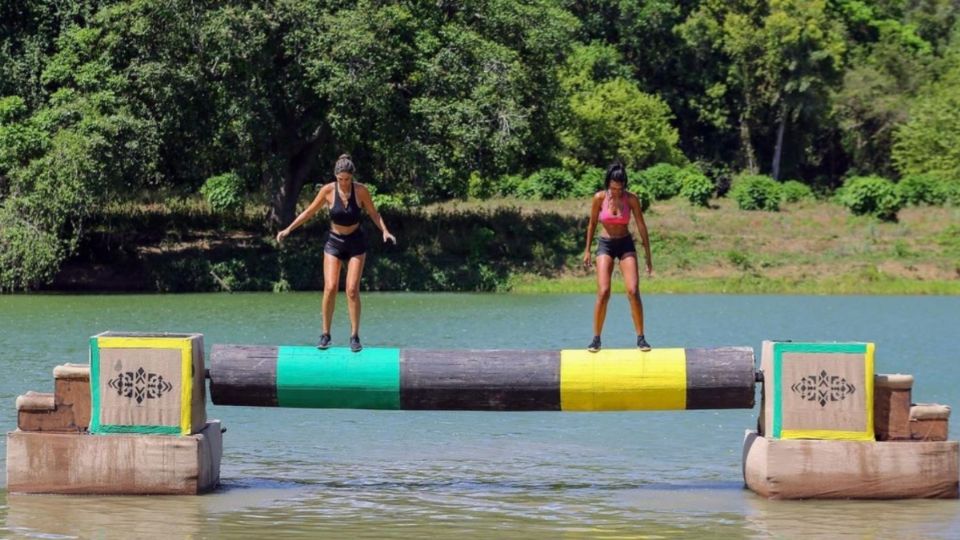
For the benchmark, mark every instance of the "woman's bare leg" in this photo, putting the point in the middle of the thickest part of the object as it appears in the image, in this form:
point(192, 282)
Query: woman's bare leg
point(331, 283)
point(354, 271)
point(631, 278)
point(604, 271)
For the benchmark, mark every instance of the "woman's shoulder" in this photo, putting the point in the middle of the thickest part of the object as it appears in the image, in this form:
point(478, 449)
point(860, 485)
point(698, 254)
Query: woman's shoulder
point(600, 195)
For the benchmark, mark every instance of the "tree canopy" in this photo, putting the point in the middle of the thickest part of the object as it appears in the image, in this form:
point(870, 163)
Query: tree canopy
point(104, 100)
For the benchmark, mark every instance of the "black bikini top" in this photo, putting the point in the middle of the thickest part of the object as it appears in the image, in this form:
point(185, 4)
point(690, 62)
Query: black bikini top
point(345, 215)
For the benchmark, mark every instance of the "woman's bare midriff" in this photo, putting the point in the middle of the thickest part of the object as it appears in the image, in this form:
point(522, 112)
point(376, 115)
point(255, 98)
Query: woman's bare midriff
point(615, 231)
point(343, 230)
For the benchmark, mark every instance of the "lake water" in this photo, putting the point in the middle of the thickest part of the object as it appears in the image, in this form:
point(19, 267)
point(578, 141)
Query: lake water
point(303, 473)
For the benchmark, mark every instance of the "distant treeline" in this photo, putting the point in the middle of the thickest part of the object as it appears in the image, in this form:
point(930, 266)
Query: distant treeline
point(105, 102)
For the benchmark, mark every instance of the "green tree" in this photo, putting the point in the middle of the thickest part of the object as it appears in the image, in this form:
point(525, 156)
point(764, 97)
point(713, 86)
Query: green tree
point(889, 61)
point(781, 57)
point(610, 117)
point(96, 146)
point(930, 141)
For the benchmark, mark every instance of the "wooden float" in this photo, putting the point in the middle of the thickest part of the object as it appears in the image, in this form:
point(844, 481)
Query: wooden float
point(118, 464)
point(842, 469)
point(830, 428)
point(126, 433)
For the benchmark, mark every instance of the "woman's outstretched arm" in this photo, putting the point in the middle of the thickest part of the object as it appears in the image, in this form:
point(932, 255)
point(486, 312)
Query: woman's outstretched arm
point(305, 216)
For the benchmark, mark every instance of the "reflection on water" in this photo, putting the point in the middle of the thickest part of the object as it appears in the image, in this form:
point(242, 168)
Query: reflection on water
point(304, 473)
point(261, 508)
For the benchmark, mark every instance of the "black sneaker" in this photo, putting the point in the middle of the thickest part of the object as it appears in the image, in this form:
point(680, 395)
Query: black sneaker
point(595, 344)
point(324, 341)
point(642, 343)
point(355, 345)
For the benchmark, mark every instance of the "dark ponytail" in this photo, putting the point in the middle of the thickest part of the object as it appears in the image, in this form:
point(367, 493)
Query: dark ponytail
point(344, 164)
point(616, 172)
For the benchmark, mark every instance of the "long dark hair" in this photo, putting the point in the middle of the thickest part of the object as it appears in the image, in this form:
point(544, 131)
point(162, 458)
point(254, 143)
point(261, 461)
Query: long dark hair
point(616, 172)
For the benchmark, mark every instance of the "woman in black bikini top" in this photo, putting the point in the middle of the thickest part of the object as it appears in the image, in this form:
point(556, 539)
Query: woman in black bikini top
point(348, 214)
point(346, 243)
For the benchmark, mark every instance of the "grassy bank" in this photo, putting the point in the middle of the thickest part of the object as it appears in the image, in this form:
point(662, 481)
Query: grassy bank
point(530, 247)
point(807, 248)
point(746, 285)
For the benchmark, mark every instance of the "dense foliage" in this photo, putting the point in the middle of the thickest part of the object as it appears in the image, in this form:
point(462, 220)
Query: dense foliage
point(757, 192)
point(106, 101)
point(873, 196)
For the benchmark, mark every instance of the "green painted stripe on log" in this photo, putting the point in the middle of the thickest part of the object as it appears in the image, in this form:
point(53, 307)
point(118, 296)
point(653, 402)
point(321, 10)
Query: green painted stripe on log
point(480, 380)
point(721, 378)
point(337, 378)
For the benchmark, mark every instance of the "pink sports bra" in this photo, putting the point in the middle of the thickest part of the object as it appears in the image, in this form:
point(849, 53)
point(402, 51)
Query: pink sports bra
point(607, 217)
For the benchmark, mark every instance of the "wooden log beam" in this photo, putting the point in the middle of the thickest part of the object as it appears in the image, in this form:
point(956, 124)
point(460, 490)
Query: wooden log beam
point(483, 380)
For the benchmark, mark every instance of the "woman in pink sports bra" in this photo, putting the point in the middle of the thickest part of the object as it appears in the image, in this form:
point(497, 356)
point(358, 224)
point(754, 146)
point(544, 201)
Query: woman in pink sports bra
point(612, 207)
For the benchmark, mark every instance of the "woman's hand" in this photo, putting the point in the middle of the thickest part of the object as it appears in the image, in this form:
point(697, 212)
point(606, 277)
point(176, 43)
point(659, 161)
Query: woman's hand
point(586, 259)
point(389, 238)
point(649, 268)
point(282, 234)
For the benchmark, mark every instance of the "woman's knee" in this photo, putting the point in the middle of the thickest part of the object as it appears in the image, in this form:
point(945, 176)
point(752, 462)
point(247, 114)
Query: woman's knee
point(353, 293)
point(633, 292)
point(603, 293)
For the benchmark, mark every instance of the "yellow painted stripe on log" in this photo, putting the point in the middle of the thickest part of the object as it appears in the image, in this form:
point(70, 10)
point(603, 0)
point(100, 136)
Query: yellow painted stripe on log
point(623, 380)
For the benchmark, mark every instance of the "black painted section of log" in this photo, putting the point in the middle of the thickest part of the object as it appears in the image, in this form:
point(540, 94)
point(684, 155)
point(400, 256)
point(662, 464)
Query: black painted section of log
point(720, 378)
point(243, 375)
point(485, 380)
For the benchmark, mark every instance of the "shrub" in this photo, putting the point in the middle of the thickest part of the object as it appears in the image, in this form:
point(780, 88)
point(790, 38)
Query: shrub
point(508, 185)
point(695, 186)
point(390, 201)
point(919, 189)
point(479, 187)
point(756, 192)
point(28, 256)
point(948, 191)
point(718, 173)
point(590, 182)
point(551, 183)
point(224, 193)
point(661, 180)
point(643, 194)
point(795, 191)
point(872, 195)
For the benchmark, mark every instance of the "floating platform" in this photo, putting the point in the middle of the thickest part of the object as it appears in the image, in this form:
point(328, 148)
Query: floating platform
point(483, 380)
point(127, 464)
point(833, 469)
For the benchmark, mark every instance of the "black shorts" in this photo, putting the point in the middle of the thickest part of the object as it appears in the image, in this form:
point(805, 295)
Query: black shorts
point(617, 247)
point(344, 246)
